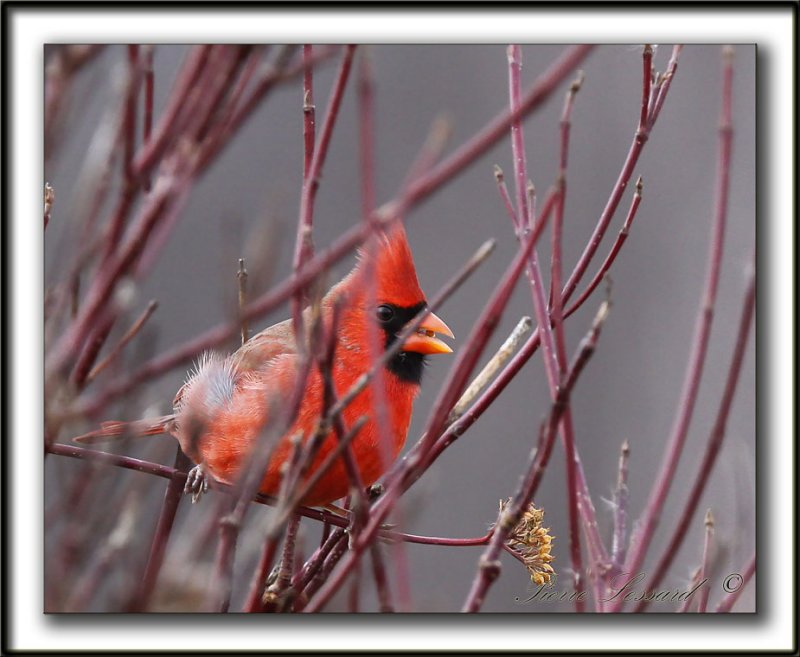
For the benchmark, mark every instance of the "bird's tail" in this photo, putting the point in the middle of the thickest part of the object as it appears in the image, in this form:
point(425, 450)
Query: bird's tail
point(110, 431)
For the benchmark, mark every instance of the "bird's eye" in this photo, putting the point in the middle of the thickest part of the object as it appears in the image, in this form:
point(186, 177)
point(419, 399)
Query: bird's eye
point(385, 313)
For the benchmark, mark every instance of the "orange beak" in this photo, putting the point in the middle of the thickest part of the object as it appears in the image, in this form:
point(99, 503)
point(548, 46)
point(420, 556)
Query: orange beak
point(424, 341)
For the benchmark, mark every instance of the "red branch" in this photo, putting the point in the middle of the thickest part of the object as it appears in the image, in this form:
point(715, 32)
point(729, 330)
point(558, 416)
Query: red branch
point(489, 565)
point(658, 495)
point(714, 439)
point(747, 574)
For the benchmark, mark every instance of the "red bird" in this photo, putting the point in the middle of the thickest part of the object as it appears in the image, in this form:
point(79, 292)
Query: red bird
point(223, 407)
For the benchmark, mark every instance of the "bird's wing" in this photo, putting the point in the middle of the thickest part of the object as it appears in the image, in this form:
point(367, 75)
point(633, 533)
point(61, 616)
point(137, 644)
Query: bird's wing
point(255, 354)
point(263, 347)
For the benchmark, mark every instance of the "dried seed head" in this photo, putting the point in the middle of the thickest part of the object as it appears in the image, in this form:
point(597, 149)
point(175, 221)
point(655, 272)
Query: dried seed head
point(532, 542)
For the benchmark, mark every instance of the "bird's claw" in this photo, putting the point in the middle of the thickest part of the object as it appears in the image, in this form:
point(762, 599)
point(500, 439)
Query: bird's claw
point(196, 483)
point(375, 491)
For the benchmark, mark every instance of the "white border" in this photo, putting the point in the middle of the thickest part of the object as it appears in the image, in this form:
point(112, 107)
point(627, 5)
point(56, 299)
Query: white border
point(771, 29)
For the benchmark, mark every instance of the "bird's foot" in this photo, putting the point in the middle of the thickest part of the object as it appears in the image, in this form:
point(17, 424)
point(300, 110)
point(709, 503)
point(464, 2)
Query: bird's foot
point(375, 491)
point(196, 483)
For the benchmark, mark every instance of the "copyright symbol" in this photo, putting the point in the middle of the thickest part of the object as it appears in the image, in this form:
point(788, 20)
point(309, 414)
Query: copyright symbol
point(732, 582)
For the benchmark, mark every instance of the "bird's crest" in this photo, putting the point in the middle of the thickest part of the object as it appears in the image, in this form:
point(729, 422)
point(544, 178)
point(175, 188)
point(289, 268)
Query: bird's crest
point(394, 268)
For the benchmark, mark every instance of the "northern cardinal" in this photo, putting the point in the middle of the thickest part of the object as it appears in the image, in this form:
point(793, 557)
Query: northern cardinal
point(220, 411)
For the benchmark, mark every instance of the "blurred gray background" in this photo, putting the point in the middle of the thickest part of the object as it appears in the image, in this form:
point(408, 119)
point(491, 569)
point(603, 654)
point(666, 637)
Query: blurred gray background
point(629, 389)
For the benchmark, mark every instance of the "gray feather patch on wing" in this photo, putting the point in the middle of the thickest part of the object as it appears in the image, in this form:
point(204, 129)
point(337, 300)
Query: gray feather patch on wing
point(214, 378)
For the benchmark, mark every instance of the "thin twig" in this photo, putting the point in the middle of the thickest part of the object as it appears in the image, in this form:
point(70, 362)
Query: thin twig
point(495, 364)
point(430, 152)
point(274, 595)
point(521, 176)
point(561, 187)
point(166, 472)
point(241, 277)
point(355, 590)
point(635, 150)
point(554, 356)
point(208, 98)
point(130, 112)
point(311, 181)
point(330, 562)
point(647, 79)
point(529, 481)
point(311, 567)
point(378, 392)
point(309, 111)
point(530, 192)
point(476, 342)
point(715, 438)
point(657, 103)
point(131, 333)
point(247, 484)
point(366, 132)
point(612, 255)
point(329, 399)
point(222, 587)
point(304, 244)
point(702, 603)
point(158, 546)
point(149, 88)
point(258, 599)
point(152, 149)
point(255, 601)
point(105, 558)
point(684, 411)
point(502, 188)
point(234, 100)
point(284, 67)
point(496, 129)
point(381, 581)
point(620, 512)
point(91, 350)
point(579, 501)
point(323, 468)
point(694, 583)
point(59, 73)
point(437, 540)
point(746, 575)
point(165, 199)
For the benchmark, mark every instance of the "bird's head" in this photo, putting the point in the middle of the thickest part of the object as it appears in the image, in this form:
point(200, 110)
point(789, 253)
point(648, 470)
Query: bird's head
point(389, 295)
